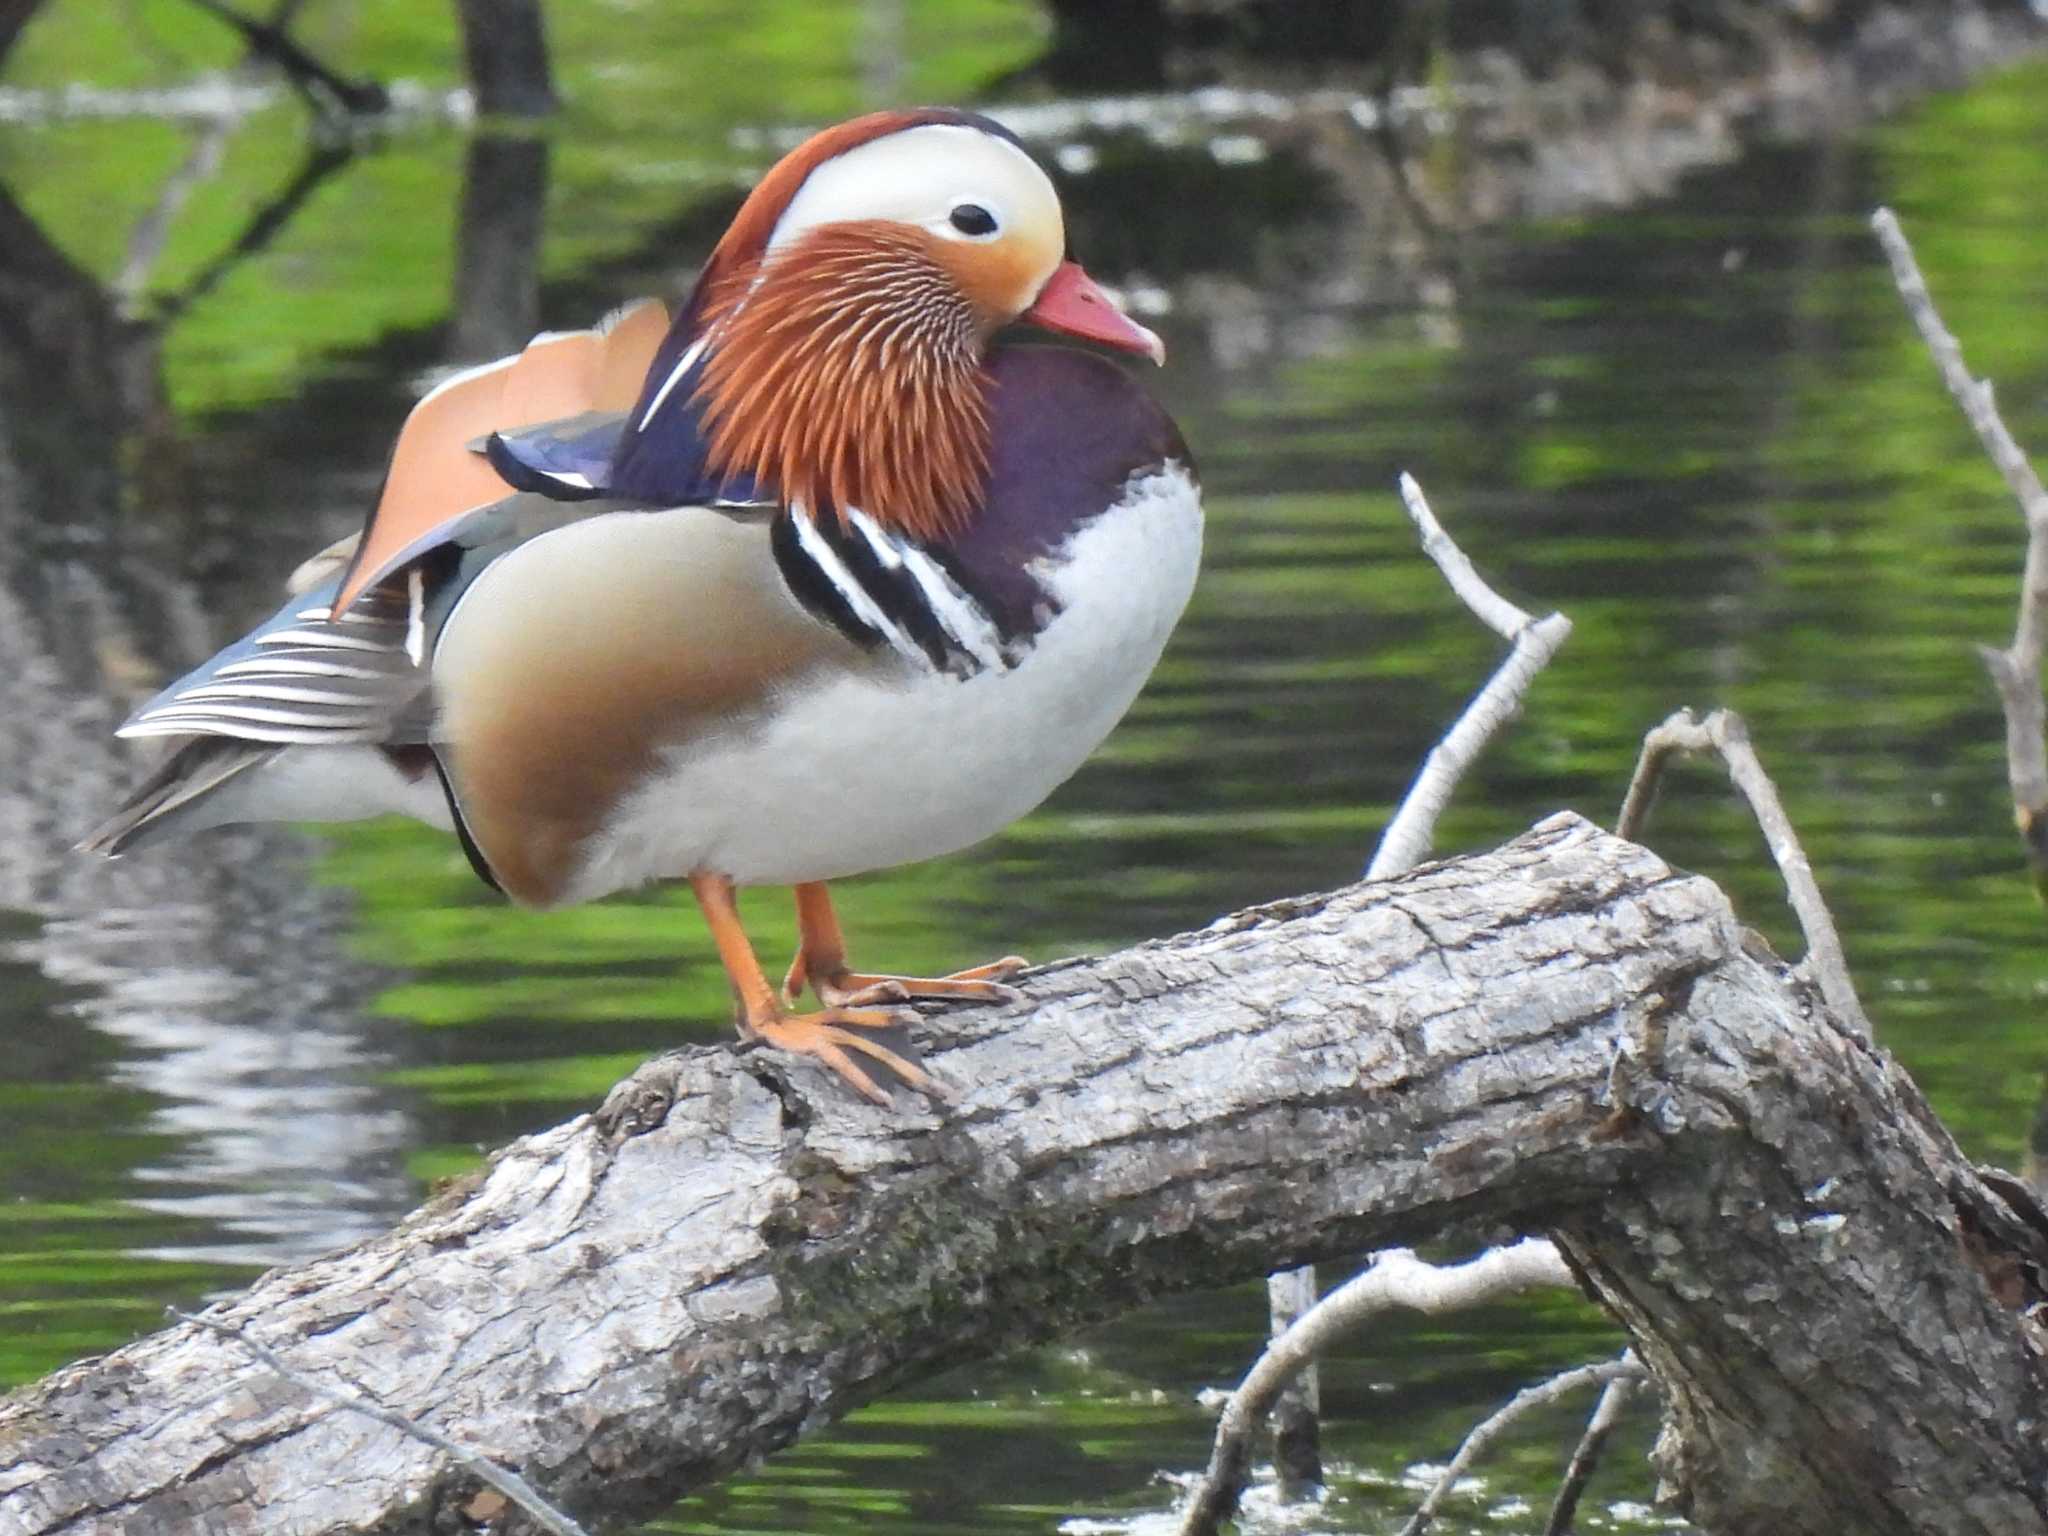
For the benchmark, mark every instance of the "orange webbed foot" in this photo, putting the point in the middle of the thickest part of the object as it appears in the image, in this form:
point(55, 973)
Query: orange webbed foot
point(820, 964)
point(843, 988)
point(857, 1043)
point(847, 1040)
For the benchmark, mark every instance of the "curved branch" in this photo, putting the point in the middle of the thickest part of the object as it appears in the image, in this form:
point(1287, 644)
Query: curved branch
point(1535, 641)
point(1395, 1278)
point(1563, 1034)
point(1726, 735)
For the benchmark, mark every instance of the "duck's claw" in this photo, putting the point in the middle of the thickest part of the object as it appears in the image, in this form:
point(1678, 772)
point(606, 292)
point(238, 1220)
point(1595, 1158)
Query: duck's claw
point(978, 984)
point(858, 1044)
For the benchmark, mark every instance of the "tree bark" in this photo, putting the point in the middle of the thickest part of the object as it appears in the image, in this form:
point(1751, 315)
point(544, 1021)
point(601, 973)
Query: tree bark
point(497, 246)
point(1563, 1035)
point(505, 44)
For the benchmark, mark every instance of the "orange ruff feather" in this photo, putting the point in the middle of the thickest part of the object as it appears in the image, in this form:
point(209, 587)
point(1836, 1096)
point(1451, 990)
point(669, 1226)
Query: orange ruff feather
point(845, 371)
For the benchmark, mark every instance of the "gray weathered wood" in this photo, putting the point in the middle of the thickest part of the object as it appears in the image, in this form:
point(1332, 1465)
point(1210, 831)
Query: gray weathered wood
point(1561, 1035)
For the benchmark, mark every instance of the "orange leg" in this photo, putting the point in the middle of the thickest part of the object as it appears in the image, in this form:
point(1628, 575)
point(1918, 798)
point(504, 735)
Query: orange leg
point(821, 961)
point(834, 1036)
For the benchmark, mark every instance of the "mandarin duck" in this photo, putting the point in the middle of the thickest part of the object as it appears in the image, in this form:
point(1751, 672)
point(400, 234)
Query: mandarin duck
point(820, 578)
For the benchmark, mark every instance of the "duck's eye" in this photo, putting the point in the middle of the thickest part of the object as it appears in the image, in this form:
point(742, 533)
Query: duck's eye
point(973, 220)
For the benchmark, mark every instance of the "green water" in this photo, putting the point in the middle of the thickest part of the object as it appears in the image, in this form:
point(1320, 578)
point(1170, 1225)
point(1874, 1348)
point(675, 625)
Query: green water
point(1701, 426)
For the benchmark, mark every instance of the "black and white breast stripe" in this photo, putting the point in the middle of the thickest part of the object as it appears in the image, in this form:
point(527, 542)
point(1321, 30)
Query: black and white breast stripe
point(879, 588)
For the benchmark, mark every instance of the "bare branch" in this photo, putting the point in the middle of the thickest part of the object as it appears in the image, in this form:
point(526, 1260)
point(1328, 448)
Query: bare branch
point(506, 1481)
point(1396, 1278)
point(1487, 605)
point(1973, 395)
point(1408, 835)
point(2016, 672)
point(322, 161)
point(1723, 733)
point(733, 1251)
point(1606, 1414)
point(1530, 1398)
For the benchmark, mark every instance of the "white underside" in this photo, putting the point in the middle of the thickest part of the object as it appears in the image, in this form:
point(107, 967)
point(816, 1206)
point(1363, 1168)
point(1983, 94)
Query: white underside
point(321, 784)
point(878, 769)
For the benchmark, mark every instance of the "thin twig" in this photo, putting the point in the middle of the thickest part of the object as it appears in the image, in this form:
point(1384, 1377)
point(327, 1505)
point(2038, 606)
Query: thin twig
point(507, 1482)
point(1535, 641)
point(1487, 605)
point(1526, 1401)
point(1606, 1414)
point(2015, 672)
point(1723, 733)
point(1396, 1278)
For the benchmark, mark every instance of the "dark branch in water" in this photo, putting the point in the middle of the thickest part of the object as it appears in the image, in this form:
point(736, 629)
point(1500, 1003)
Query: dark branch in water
point(1606, 1414)
point(1394, 1279)
point(321, 162)
point(323, 89)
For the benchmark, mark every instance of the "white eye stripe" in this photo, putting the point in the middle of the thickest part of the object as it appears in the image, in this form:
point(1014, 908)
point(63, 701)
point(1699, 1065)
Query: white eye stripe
point(919, 176)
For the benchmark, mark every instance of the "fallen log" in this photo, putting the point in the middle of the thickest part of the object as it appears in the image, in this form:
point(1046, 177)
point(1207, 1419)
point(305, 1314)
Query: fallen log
point(1563, 1035)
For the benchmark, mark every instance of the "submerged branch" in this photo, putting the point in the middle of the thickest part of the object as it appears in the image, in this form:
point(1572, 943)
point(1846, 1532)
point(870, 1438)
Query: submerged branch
point(322, 87)
point(1606, 1414)
point(1491, 1428)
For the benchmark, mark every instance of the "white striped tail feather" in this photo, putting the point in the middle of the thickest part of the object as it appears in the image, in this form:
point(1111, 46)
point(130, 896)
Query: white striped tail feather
point(301, 666)
point(304, 678)
point(329, 638)
point(262, 687)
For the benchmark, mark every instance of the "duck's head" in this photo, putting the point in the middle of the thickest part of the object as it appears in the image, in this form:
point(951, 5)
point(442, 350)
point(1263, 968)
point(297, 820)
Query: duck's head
point(847, 311)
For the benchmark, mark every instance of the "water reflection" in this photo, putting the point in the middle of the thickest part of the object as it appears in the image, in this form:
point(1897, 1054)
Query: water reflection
point(496, 302)
point(222, 973)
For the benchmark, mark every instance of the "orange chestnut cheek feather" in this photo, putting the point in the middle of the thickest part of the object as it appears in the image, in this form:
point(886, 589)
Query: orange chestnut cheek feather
point(845, 371)
point(999, 278)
